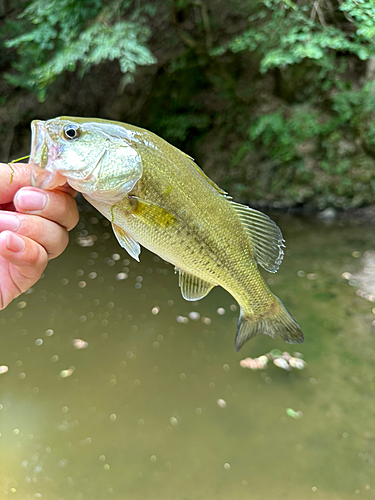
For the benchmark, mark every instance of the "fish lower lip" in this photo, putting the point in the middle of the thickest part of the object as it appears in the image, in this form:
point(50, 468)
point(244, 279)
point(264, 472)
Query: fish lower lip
point(47, 180)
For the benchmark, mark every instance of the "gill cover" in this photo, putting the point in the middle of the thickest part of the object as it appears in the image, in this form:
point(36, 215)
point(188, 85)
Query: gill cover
point(99, 160)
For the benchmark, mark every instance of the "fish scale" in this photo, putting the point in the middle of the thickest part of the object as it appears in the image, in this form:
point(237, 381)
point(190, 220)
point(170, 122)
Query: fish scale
point(157, 197)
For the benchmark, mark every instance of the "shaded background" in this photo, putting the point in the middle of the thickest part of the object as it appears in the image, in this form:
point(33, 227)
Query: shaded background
point(274, 99)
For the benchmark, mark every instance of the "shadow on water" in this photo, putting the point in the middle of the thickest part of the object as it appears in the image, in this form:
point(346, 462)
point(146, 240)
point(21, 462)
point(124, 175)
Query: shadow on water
point(118, 388)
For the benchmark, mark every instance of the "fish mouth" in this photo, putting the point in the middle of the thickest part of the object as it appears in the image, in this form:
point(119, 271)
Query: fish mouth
point(38, 143)
point(43, 175)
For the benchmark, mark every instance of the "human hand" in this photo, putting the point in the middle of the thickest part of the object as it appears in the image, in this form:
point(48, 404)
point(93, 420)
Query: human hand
point(34, 227)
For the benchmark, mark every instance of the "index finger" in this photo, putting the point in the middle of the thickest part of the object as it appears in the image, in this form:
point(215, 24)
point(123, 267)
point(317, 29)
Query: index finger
point(13, 176)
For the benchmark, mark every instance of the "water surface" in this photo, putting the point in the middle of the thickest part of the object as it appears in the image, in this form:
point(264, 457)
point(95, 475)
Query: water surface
point(156, 405)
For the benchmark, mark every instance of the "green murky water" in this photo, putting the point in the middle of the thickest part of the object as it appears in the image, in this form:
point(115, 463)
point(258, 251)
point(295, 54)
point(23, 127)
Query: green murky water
point(156, 405)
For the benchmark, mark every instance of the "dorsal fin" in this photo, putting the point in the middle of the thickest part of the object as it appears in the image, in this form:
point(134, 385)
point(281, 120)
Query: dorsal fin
point(200, 171)
point(265, 236)
point(127, 242)
point(192, 287)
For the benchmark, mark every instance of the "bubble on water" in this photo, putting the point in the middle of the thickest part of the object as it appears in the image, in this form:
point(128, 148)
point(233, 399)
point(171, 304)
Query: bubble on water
point(173, 421)
point(221, 311)
point(195, 316)
point(121, 276)
point(301, 273)
point(138, 286)
point(170, 302)
point(294, 414)
point(222, 403)
point(297, 363)
point(68, 372)
point(281, 363)
point(113, 417)
point(80, 344)
point(182, 376)
point(153, 458)
point(116, 256)
point(227, 466)
point(102, 458)
point(155, 310)
point(206, 321)
point(182, 319)
point(82, 284)
point(21, 304)
point(4, 369)
point(39, 342)
point(92, 275)
point(255, 363)
point(233, 307)
point(226, 368)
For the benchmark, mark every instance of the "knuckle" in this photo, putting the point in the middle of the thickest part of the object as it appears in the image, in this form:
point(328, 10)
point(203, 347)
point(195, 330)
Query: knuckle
point(62, 243)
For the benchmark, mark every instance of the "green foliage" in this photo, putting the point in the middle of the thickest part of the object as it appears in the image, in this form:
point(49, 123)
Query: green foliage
point(280, 92)
point(62, 35)
point(284, 33)
point(362, 14)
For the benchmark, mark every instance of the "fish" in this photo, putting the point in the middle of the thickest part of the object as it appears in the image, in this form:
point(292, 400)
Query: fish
point(157, 197)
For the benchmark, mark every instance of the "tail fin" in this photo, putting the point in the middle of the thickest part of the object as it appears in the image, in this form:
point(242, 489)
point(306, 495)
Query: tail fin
point(276, 320)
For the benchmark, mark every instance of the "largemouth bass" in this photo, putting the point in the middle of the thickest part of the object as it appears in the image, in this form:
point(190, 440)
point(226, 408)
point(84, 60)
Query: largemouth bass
point(156, 196)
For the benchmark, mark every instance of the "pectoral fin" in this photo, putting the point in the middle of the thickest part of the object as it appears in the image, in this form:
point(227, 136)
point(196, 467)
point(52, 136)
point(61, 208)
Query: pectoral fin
point(127, 242)
point(265, 236)
point(192, 287)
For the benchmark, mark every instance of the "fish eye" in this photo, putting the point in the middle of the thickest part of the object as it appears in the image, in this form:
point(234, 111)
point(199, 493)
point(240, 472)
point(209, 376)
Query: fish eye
point(71, 131)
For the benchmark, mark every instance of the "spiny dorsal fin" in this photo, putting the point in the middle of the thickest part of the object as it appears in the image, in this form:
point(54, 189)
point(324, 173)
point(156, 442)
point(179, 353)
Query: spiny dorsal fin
point(127, 242)
point(211, 182)
point(265, 236)
point(192, 287)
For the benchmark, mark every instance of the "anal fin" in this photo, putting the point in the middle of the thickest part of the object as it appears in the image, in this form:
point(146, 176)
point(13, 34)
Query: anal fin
point(192, 287)
point(127, 242)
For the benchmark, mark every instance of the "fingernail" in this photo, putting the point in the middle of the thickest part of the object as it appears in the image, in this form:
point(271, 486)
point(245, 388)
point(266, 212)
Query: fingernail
point(31, 200)
point(9, 222)
point(15, 243)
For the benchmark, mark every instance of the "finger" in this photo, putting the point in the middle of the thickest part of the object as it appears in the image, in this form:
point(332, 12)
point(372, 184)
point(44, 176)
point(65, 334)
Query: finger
point(29, 258)
point(53, 237)
point(13, 176)
point(56, 206)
